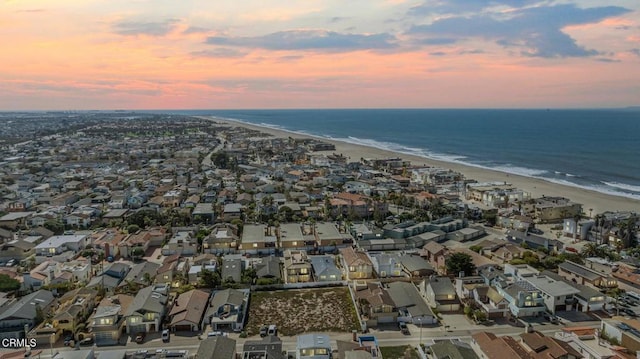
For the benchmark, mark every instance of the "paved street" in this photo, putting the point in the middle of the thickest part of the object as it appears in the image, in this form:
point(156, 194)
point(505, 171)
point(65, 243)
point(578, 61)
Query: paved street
point(457, 329)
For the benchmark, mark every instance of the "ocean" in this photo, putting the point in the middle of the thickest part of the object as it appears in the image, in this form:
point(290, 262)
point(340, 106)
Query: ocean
point(593, 149)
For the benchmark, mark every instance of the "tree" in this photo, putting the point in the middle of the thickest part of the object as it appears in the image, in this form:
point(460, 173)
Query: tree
point(209, 279)
point(248, 275)
point(221, 160)
point(460, 262)
point(133, 228)
point(137, 252)
point(8, 284)
point(54, 226)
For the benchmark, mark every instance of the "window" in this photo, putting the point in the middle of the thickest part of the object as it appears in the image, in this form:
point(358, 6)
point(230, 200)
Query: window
point(294, 243)
point(255, 245)
point(304, 271)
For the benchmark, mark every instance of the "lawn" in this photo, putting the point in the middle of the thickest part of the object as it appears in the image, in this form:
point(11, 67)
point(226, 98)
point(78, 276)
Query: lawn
point(297, 311)
point(399, 352)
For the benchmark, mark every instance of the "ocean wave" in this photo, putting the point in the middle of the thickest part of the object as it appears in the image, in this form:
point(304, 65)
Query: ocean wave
point(624, 186)
point(521, 171)
point(395, 147)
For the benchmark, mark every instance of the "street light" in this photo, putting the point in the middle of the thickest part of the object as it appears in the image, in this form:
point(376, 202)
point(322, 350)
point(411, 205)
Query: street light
point(53, 335)
point(420, 320)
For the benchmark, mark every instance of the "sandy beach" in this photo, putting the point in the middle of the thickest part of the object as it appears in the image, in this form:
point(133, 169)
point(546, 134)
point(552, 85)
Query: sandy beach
point(592, 201)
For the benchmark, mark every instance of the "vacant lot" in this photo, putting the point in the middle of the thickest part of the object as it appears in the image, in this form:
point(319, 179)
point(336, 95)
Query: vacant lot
point(303, 310)
point(400, 352)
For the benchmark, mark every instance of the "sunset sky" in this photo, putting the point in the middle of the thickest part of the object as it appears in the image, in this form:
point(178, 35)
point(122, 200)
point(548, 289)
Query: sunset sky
point(187, 54)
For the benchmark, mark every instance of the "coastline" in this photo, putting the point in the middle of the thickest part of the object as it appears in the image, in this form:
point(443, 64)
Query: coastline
point(593, 202)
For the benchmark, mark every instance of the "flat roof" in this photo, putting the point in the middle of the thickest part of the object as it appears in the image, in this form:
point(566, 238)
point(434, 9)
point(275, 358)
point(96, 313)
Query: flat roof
point(57, 241)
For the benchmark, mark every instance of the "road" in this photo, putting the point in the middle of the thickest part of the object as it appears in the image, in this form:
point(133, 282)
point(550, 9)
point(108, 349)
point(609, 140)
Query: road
point(385, 338)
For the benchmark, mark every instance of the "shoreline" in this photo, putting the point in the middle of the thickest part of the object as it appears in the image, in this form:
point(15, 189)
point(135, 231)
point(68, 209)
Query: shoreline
point(593, 202)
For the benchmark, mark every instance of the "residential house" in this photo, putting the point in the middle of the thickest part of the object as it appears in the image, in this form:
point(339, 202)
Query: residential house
point(182, 243)
point(232, 269)
point(172, 271)
point(410, 304)
point(18, 249)
point(357, 264)
point(452, 349)
point(435, 253)
point(555, 209)
point(57, 245)
point(375, 305)
point(258, 239)
point(490, 346)
point(440, 294)
point(291, 236)
point(415, 266)
point(109, 278)
point(223, 239)
point(297, 267)
point(219, 347)
point(542, 346)
point(587, 299)
point(74, 308)
point(386, 264)
point(533, 241)
point(141, 275)
point(231, 211)
point(25, 312)
point(580, 274)
point(524, 299)
point(269, 268)
point(227, 310)
point(147, 310)
point(490, 301)
point(558, 296)
point(329, 238)
point(313, 346)
point(108, 320)
point(188, 311)
point(622, 330)
point(586, 341)
point(325, 269)
point(269, 347)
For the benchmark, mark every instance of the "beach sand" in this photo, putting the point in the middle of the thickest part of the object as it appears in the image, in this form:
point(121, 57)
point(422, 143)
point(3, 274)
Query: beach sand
point(593, 202)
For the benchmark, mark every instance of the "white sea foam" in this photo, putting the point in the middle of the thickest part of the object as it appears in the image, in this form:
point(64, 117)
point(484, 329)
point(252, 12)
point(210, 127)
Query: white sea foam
point(522, 171)
point(623, 186)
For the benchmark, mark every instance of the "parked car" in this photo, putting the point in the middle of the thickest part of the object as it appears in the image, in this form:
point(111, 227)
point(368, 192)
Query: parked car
point(403, 328)
point(165, 335)
point(263, 331)
point(140, 337)
point(552, 318)
point(217, 334)
point(272, 330)
point(86, 341)
point(67, 340)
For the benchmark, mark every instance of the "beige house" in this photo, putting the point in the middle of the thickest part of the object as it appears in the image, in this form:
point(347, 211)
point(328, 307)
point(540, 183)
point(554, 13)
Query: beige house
point(297, 267)
point(357, 264)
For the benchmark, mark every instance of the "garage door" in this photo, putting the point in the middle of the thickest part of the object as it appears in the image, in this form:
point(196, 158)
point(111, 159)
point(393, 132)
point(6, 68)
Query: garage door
point(386, 319)
point(105, 338)
point(135, 329)
point(182, 328)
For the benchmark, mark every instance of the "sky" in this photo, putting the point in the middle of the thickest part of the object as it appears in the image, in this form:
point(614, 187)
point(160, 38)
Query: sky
point(203, 54)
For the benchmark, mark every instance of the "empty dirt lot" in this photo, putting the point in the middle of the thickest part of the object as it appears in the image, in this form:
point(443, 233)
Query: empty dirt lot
point(297, 311)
